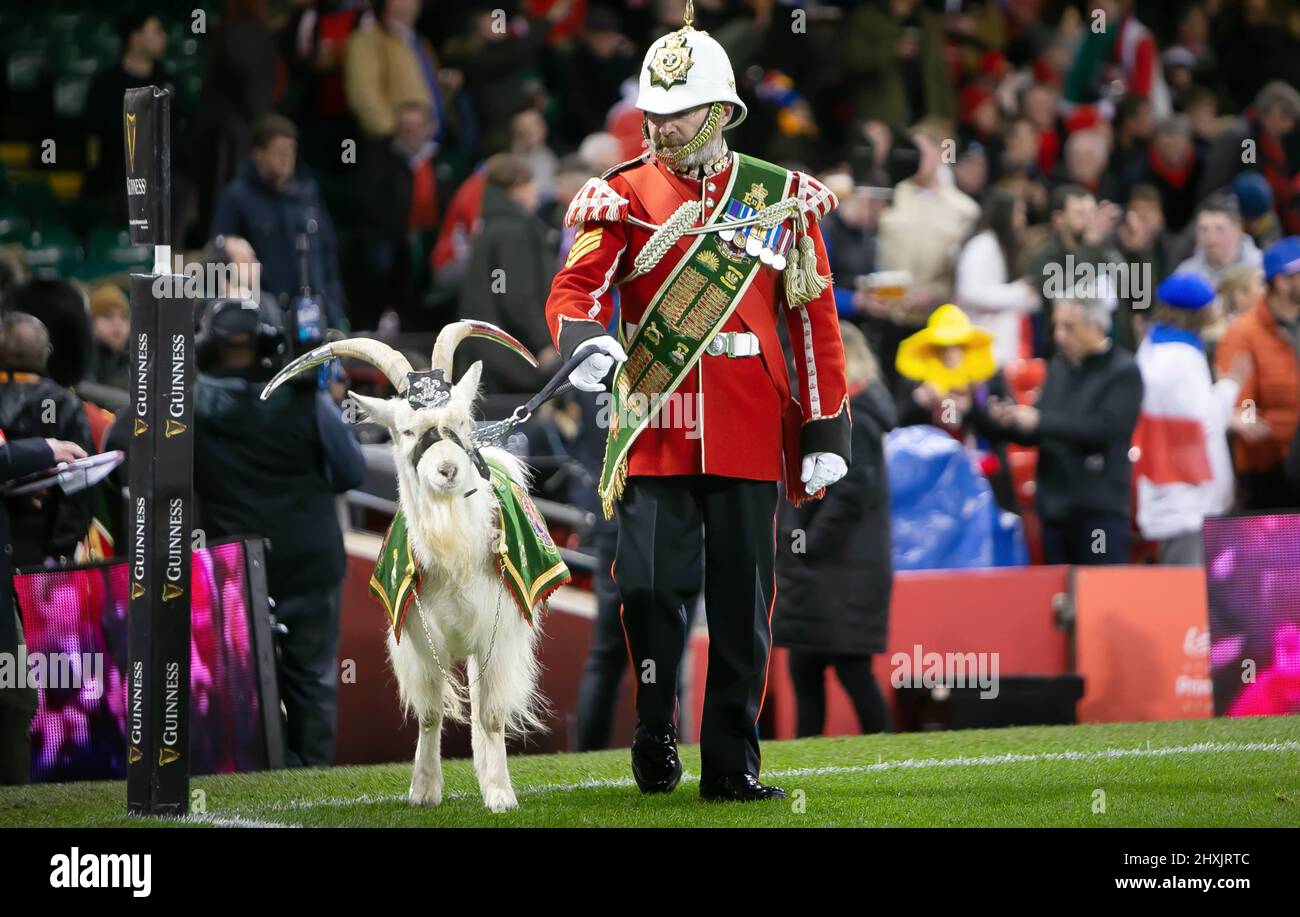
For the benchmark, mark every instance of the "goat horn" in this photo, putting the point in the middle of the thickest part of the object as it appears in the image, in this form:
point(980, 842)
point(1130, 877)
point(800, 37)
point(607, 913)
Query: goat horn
point(378, 354)
point(449, 338)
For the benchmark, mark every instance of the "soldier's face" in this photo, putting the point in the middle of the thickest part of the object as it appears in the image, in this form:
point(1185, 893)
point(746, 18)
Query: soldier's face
point(670, 132)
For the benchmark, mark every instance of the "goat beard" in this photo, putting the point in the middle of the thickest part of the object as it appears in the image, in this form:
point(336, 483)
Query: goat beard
point(447, 529)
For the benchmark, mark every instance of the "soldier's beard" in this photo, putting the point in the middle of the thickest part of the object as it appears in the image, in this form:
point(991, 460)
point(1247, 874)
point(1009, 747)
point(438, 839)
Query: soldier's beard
point(712, 150)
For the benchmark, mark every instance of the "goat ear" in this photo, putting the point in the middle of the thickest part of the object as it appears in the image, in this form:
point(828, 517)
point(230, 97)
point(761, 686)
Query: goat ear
point(467, 388)
point(379, 410)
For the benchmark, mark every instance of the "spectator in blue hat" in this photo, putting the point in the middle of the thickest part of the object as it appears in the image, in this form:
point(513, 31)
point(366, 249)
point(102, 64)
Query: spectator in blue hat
point(1255, 198)
point(1269, 401)
point(1183, 469)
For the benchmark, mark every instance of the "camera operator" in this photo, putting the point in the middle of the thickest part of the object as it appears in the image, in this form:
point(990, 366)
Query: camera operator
point(50, 524)
point(274, 468)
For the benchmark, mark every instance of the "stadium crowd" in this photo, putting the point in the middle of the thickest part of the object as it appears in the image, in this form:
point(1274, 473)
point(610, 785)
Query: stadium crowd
point(1067, 234)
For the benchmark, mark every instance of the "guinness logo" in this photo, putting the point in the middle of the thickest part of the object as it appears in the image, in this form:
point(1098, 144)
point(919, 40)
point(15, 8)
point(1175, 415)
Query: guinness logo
point(140, 427)
point(171, 591)
point(136, 590)
point(130, 139)
point(168, 755)
point(133, 755)
point(174, 428)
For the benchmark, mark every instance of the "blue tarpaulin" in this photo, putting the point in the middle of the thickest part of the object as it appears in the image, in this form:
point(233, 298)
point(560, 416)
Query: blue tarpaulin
point(944, 514)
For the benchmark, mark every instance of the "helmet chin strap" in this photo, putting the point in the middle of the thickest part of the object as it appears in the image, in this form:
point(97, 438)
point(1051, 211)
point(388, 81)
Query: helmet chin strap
point(706, 133)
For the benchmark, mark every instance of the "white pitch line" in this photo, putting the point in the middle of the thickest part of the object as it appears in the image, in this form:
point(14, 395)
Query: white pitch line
point(1197, 748)
point(236, 821)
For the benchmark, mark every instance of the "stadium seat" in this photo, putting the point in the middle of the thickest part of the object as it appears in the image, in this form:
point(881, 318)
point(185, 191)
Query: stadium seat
point(112, 245)
point(52, 251)
point(14, 225)
point(36, 199)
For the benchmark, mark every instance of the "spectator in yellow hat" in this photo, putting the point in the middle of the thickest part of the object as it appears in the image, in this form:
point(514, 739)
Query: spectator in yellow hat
point(948, 372)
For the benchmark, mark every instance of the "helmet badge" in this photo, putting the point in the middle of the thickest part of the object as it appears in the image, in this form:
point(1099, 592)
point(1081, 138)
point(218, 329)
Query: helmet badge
point(671, 61)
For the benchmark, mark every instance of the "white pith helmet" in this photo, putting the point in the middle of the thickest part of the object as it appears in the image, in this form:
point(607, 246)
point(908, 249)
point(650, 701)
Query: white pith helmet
point(684, 69)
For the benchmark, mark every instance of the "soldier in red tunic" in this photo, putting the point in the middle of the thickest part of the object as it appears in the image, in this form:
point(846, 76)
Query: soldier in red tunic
point(709, 250)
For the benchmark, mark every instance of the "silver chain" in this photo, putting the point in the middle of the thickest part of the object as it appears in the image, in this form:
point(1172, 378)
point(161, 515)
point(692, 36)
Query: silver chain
point(428, 638)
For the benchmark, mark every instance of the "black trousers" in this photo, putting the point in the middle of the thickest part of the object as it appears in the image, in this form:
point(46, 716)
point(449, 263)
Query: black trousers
point(602, 675)
point(307, 671)
point(808, 676)
point(670, 530)
point(1076, 540)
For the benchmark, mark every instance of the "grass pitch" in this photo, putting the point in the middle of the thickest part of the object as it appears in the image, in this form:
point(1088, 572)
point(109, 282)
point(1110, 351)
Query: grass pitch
point(1240, 772)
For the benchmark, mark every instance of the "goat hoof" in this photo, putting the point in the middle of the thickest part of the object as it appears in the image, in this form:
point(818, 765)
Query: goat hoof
point(425, 794)
point(500, 800)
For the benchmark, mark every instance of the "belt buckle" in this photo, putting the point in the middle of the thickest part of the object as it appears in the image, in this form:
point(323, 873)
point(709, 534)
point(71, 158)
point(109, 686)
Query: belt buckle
point(719, 345)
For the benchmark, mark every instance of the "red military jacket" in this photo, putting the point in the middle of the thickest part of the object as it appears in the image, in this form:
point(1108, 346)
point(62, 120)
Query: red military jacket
point(747, 417)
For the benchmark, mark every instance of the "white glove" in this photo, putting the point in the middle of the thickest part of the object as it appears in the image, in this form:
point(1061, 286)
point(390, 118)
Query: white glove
point(605, 352)
point(822, 469)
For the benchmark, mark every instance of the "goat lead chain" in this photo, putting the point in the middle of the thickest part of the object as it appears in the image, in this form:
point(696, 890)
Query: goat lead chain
point(428, 638)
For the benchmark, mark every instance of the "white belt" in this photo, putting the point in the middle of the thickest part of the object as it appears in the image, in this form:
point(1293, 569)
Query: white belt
point(731, 343)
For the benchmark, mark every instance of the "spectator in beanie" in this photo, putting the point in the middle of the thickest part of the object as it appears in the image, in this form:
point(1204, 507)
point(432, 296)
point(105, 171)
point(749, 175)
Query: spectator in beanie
point(1082, 425)
point(833, 566)
point(110, 323)
point(1220, 240)
point(49, 524)
point(1255, 198)
point(989, 285)
point(274, 205)
point(381, 71)
point(1183, 469)
point(1269, 401)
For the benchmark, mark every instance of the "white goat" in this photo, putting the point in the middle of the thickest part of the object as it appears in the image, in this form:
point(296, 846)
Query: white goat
point(462, 611)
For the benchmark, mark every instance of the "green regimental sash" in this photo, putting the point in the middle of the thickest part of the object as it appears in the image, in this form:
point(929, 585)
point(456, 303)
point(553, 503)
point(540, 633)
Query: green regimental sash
point(685, 313)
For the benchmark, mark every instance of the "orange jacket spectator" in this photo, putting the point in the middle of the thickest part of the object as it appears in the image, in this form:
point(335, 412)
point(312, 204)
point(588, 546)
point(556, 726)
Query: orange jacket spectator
point(1273, 386)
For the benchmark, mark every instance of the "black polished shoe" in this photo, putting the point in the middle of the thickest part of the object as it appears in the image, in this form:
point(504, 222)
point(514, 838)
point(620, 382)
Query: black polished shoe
point(655, 764)
point(737, 788)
